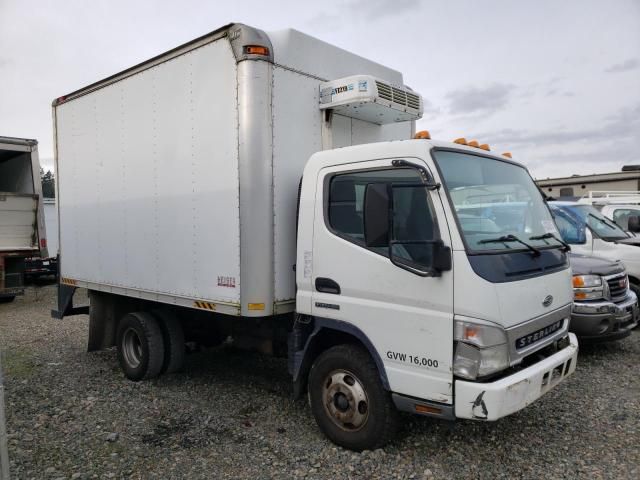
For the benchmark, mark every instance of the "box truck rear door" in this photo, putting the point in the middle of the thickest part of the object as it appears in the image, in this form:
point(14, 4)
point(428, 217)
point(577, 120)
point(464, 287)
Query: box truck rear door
point(18, 222)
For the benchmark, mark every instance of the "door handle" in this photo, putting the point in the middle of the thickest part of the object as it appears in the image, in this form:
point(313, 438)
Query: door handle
point(326, 285)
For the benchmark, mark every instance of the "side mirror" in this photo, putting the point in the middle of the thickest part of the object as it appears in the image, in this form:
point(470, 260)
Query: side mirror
point(425, 258)
point(376, 214)
point(634, 224)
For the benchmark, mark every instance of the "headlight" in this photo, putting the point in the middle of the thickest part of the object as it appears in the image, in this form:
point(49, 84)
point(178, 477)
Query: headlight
point(588, 287)
point(580, 281)
point(481, 349)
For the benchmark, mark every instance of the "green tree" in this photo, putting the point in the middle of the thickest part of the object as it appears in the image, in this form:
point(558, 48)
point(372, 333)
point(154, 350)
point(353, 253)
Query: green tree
point(48, 183)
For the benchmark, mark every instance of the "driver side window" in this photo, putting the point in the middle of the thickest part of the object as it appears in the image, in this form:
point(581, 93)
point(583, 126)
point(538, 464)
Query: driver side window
point(413, 219)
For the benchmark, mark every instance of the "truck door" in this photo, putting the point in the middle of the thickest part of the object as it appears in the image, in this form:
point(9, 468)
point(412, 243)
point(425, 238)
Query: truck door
point(407, 317)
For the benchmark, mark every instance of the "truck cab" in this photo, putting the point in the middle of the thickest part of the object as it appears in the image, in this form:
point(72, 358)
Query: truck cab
point(444, 260)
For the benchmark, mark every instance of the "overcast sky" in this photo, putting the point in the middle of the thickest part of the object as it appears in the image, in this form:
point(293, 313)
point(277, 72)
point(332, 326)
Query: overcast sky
point(555, 82)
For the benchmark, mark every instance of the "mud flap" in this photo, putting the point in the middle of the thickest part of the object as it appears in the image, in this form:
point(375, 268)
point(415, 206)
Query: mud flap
point(65, 303)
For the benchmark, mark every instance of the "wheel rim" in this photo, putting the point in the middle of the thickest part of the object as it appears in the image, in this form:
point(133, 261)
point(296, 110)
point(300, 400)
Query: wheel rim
point(132, 348)
point(345, 400)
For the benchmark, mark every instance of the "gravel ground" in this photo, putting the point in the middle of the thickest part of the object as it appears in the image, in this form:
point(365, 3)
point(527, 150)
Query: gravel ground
point(230, 415)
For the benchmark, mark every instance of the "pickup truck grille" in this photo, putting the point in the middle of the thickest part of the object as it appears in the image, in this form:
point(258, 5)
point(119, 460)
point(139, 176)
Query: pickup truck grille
point(618, 285)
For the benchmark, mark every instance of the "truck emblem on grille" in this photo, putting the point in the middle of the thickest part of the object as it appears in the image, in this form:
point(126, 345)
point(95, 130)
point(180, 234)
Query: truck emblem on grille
point(548, 300)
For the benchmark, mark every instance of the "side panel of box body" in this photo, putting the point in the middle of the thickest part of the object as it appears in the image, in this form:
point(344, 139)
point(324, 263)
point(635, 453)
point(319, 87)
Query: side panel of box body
point(297, 134)
point(148, 180)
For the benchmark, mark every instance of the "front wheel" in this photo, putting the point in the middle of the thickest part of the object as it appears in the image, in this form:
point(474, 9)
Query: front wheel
point(348, 400)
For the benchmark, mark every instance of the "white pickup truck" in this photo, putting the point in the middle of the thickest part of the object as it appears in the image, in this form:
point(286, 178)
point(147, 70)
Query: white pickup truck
point(620, 206)
point(398, 274)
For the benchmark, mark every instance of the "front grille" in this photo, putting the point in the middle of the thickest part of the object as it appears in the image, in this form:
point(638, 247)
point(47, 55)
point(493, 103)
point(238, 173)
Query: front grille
point(617, 287)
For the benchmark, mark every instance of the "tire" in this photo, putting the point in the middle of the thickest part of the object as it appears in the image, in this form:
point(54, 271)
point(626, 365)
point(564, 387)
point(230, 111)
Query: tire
point(7, 299)
point(635, 288)
point(173, 340)
point(348, 401)
point(140, 346)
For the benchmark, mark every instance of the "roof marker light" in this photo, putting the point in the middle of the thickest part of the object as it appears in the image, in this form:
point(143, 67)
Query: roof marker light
point(473, 143)
point(507, 154)
point(256, 50)
point(460, 141)
point(423, 134)
point(485, 146)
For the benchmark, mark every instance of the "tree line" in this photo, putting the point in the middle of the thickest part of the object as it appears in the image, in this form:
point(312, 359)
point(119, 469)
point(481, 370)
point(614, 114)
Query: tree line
point(48, 180)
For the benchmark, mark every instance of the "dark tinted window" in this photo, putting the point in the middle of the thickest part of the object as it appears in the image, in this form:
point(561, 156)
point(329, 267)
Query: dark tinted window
point(412, 216)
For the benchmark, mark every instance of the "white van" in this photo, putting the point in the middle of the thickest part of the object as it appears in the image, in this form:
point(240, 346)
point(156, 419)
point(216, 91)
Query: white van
point(589, 232)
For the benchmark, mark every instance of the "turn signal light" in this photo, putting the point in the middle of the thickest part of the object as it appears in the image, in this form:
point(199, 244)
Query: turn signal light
point(460, 141)
point(578, 282)
point(507, 154)
point(470, 332)
point(427, 409)
point(485, 146)
point(256, 50)
point(423, 134)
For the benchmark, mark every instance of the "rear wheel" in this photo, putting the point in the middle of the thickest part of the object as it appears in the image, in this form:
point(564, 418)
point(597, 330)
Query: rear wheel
point(140, 346)
point(173, 339)
point(348, 400)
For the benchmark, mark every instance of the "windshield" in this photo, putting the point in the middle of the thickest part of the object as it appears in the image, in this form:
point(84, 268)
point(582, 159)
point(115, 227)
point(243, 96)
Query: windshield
point(495, 199)
point(598, 223)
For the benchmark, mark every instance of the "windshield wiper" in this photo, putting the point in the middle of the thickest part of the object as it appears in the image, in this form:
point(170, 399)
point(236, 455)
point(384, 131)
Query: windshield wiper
point(565, 246)
point(512, 238)
point(601, 220)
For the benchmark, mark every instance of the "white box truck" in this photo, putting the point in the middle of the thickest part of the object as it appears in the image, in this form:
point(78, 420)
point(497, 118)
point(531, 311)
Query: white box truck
point(266, 189)
point(22, 229)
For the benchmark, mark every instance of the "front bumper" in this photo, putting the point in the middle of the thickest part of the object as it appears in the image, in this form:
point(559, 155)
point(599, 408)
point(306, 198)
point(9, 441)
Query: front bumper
point(601, 321)
point(494, 400)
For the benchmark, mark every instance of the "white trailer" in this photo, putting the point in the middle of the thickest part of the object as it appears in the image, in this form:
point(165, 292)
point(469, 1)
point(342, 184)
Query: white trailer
point(265, 187)
point(22, 230)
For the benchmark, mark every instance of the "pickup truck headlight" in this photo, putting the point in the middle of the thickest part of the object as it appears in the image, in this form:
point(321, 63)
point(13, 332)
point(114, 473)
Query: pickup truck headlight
point(481, 349)
point(588, 287)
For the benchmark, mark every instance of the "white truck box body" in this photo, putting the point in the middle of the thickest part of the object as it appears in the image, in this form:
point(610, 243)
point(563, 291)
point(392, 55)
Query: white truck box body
point(177, 179)
point(21, 214)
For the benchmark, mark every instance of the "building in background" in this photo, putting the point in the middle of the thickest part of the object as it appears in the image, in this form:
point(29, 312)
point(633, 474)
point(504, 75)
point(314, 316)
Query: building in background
point(627, 180)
